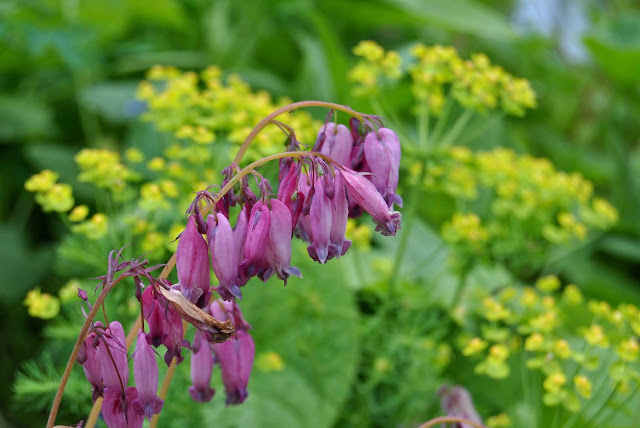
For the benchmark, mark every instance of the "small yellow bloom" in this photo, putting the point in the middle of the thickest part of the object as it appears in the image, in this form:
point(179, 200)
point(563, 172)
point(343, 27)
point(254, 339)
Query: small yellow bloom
point(548, 283)
point(474, 346)
point(554, 382)
point(535, 342)
point(42, 181)
point(594, 335)
point(572, 295)
point(79, 213)
point(156, 164)
point(629, 349)
point(134, 155)
point(58, 198)
point(270, 362)
point(501, 420)
point(42, 305)
point(583, 386)
point(562, 349)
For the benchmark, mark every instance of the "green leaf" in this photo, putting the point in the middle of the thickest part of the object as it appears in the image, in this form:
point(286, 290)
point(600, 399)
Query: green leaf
point(24, 117)
point(615, 44)
point(311, 325)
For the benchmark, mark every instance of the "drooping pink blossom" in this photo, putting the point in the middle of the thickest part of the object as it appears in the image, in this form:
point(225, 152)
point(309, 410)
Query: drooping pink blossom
point(145, 371)
point(201, 369)
point(113, 357)
point(192, 263)
point(118, 410)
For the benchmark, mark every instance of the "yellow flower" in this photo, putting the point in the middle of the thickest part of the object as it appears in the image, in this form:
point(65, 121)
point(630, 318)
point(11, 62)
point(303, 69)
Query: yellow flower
point(42, 305)
point(594, 335)
point(474, 346)
point(79, 213)
point(629, 349)
point(42, 181)
point(156, 164)
point(572, 295)
point(58, 198)
point(369, 50)
point(554, 382)
point(270, 362)
point(95, 229)
point(548, 283)
point(583, 386)
point(501, 420)
point(134, 155)
point(535, 342)
point(494, 311)
point(562, 349)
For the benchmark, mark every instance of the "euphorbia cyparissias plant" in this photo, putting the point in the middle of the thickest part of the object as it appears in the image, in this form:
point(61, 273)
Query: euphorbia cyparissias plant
point(349, 171)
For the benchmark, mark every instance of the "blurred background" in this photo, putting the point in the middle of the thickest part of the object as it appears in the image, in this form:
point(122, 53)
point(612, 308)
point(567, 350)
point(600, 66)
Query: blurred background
point(69, 70)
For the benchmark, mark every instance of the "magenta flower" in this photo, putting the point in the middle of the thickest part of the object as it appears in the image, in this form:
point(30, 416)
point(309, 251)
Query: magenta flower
point(174, 340)
point(118, 410)
point(365, 195)
point(320, 216)
point(223, 254)
point(154, 315)
point(339, 217)
point(382, 153)
point(145, 370)
point(236, 361)
point(201, 369)
point(113, 357)
point(192, 262)
point(335, 142)
point(456, 402)
point(90, 361)
point(256, 242)
point(229, 311)
point(278, 252)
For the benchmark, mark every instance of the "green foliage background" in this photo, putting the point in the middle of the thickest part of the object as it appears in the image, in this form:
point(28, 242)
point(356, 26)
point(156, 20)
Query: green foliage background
point(68, 73)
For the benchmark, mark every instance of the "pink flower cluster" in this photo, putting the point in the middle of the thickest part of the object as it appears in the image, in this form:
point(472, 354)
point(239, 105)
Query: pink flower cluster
point(350, 171)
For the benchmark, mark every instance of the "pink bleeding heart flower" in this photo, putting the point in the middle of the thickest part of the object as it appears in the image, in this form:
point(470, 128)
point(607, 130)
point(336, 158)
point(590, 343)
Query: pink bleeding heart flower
point(223, 254)
point(118, 410)
point(320, 217)
point(339, 217)
point(365, 195)
point(113, 357)
point(145, 370)
point(90, 360)
point(335, 142)
point(278, 252)
point(382, 153)
point(256, 242)
point(192, 263)
point(153, 313)
point(201, 368)
point(239, 239)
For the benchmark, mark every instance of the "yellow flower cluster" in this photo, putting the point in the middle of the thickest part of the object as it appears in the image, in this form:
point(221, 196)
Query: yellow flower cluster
point(50, 194)
point(528, 205)
point(94, 228)
point(547, 322)
point(42, 305)
point(436, 71)
point(102, 168)
point(203, 108)
point(374, 65)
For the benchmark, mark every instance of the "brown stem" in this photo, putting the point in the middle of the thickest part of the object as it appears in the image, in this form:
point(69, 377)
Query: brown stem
point(447, 419)
point(301, 104)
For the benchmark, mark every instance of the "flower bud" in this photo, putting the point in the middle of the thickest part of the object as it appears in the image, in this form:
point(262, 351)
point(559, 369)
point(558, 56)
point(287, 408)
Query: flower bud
point(90, 361)
point(335, 142)
point(201, 369)
point(192, 263)
point(145, 370)
point(153, 313)
point(257, 238)
point(339, 217)
point(320, 222)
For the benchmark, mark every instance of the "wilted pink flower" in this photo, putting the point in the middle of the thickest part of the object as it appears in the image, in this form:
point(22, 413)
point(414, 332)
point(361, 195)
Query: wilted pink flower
point(113, 357)
point(165, 325)
point(382, 154)
point(456, 402)
point(278, 252)
point(90, 361)
point(145, 370)
point(229, 311)
point(118, 410)
point(192, 262)
point(223, 254)
point(364, 194)
point(335, 142)
point(201, 369)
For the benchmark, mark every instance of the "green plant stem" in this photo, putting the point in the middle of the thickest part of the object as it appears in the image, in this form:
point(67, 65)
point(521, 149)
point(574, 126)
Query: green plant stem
point(447, 419)
point(294, 106)
point(457, 128)
point(442, 119)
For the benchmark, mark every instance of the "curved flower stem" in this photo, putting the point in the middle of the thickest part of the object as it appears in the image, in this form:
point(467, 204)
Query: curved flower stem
point(72, 358)
point(447, 419)
point(294, 106)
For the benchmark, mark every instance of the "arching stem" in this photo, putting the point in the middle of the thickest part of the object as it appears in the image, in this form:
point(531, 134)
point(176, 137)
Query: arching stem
point(447, 419)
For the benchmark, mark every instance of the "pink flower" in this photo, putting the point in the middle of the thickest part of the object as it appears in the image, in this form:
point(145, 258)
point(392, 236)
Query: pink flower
point(278, 252)
point(223, 254)
point(118, 410)
point(256, 242)
point(335, 142)
point(90, 361)
point(192, 262)
point(456, 401)
point(113, 357)
point(236, 360)
point(201, 369)
point(339, 217)
point(145, 369)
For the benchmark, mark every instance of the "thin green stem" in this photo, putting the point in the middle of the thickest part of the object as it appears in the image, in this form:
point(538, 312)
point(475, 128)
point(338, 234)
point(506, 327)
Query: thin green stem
point(294, 106)
point(442, 119)
point(457, 128)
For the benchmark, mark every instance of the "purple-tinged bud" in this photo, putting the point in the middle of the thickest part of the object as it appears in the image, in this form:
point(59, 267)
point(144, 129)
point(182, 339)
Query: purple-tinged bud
point(456, 402)
point(364, 194)
point(154, 314)
point(145, 370)
point(335, 142)
point(90, 361)
point(82, 294)
point(118, 410)
point(113, 357)
point(201, 369)
point(223, 255)
point(257, 238)
point(338, 242)
point(192, 262)
point(278, 253)
point(320, 222)
point(383, 159)
point(236, 360)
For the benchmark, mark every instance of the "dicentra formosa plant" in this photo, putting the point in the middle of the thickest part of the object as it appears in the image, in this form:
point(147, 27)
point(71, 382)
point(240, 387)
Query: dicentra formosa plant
point(348, 171)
